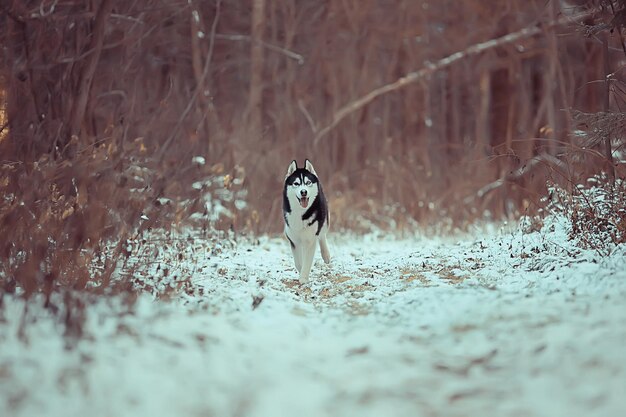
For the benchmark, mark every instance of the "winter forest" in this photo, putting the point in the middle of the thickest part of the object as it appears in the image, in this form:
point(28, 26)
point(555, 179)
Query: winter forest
point(472, 154)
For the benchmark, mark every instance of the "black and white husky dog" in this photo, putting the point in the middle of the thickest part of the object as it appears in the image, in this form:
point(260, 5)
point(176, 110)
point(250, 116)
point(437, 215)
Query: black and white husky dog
point(306, 216)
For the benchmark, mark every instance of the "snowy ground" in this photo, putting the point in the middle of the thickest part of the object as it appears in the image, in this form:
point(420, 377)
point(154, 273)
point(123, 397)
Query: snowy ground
point(500, 323)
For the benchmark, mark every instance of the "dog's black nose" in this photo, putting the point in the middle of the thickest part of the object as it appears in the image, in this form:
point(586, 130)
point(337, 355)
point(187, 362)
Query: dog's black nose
point(303, 193)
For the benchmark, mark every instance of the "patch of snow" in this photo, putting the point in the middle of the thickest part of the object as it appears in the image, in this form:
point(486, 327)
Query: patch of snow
point(198, 160)
point(498, 322)
point(240, 204)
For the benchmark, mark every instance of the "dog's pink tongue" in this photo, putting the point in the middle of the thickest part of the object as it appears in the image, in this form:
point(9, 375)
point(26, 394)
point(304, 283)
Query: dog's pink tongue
point(304, 201)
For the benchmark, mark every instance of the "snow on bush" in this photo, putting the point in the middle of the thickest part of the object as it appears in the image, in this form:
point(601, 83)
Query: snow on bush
point(596, 212)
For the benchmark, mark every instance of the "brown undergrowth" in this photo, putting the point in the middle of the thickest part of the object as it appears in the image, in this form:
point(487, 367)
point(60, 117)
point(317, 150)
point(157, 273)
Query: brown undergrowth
point(87, 224)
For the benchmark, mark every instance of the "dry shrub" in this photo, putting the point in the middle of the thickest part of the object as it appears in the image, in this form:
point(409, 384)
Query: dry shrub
point(596, 211)
point(68, 223)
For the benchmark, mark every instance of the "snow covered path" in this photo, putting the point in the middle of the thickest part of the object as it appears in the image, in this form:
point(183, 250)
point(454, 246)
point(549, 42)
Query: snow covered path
point(506, 325)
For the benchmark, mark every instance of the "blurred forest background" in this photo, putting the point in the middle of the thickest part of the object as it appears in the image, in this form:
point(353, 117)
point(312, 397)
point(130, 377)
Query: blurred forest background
point(122, 116)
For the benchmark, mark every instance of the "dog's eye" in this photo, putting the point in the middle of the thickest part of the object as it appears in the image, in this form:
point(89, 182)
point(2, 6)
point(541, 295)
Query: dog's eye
point(308, 183)
point(296, 184)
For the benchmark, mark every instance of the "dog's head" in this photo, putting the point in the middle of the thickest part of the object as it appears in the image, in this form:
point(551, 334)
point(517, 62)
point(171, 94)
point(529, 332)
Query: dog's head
point(301, 184)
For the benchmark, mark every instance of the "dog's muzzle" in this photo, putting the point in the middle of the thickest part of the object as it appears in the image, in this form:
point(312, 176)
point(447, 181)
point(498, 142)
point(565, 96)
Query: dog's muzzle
point(304, 200)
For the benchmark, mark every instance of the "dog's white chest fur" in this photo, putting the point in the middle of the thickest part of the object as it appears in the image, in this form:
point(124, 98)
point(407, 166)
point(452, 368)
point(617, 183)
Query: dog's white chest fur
point(296, 226)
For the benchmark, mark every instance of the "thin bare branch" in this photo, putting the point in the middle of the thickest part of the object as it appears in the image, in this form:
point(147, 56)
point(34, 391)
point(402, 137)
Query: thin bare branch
point(517, 174)
point(431, 68)
point(598, 126)
point(275, 48)
point(307, 115)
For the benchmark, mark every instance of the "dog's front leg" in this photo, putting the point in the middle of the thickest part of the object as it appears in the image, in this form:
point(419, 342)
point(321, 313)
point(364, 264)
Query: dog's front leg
point(297, 256)
point(308, 252)
point(324, 249)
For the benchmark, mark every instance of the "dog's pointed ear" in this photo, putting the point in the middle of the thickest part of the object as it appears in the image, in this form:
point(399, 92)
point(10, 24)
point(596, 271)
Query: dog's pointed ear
point(292, 168)
point(309, 167)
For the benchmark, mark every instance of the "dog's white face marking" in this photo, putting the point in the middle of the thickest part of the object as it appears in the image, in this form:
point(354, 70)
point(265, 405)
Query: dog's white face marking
point(302, 185)
point(304, 190)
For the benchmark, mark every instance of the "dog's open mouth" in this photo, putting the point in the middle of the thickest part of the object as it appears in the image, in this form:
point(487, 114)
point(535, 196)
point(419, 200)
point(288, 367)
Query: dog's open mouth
point(304, 201)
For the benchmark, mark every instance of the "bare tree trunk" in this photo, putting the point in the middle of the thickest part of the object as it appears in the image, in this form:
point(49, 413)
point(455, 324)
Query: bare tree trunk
point(483, 127)
point(607, 104)
point(198, 54)
point(550, 84)
point(86, 76)
point(202, 55)
point(255, 97)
